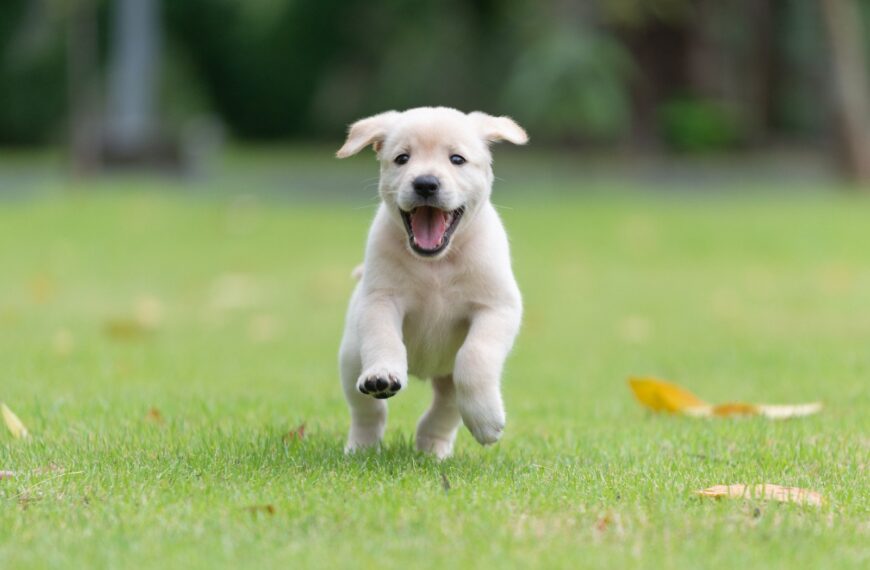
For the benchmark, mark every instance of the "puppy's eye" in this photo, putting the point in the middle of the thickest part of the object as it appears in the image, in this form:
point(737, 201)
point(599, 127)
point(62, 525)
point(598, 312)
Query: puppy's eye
point(457, 159)
point(402, 159)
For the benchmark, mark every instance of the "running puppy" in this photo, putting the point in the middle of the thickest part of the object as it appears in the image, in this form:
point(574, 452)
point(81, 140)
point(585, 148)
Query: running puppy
point(437, 297)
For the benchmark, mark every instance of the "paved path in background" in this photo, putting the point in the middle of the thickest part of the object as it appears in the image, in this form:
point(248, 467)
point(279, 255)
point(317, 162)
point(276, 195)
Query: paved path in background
point(312, 174)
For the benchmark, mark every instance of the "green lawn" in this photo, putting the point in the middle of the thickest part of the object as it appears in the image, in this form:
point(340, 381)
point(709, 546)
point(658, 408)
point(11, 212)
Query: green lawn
point(761, 300)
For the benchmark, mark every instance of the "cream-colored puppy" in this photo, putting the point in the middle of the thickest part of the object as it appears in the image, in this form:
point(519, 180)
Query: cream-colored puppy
point(437, 297)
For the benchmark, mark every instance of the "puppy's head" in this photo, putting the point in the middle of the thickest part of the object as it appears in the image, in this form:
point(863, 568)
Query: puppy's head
point(436, 168)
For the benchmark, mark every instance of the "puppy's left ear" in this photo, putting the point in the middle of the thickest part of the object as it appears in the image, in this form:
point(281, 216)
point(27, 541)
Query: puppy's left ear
point(496, 129)
point(370, 131)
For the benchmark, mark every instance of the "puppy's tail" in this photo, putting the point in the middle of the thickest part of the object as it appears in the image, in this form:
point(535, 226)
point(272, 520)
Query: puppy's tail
point(357, 272)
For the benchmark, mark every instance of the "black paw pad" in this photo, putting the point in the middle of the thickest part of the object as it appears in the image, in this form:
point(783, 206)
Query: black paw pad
point(380, 387)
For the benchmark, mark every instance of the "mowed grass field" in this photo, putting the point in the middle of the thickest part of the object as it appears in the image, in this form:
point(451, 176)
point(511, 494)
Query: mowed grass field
point(161, 347)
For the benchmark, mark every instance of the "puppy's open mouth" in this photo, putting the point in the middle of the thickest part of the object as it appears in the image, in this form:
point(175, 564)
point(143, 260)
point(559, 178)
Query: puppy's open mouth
point(429, 228)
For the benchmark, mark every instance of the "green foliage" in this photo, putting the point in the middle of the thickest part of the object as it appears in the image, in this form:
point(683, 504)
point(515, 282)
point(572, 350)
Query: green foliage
point(697, 125)
point(277, 69)
point(32, 75)
point(572, 81)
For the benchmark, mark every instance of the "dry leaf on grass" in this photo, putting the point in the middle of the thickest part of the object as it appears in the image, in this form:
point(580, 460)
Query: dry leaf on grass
point(125, 329)
point(661, 396)
point(15, 425)
point(261, 509)
point(154, 416)
point(146, 318)
point(296, 434)
point(765, 491)
point(6, 475)
point(789, 411)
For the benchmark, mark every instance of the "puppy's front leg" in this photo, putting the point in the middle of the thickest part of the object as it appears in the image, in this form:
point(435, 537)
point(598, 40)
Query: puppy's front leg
point(477, 372)
point(383, 355)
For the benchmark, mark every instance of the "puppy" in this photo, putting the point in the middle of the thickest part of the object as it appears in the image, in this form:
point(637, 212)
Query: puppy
point(437, 297)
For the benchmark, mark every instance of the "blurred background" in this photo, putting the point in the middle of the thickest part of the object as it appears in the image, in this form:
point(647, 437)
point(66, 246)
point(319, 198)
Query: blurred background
point(775, 88)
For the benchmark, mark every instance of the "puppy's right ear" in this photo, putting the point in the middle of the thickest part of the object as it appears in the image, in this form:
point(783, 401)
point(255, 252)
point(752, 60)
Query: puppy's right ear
point(370, 131)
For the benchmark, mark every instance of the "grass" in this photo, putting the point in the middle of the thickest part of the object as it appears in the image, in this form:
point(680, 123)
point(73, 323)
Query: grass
point(762, 300)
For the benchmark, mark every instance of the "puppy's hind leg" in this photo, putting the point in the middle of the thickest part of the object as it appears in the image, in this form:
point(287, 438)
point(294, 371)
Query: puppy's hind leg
point(437, 428)
point(368, 416)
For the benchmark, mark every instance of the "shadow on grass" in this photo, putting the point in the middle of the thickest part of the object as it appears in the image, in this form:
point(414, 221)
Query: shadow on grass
point(397, 456)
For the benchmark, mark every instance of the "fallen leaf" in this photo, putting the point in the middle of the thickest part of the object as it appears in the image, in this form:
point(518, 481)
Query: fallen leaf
point(735, 409)
point(789, 411)
point(602, 524)
point(765, 491)
point(659, 395)
point(125, 329)
point(6, 475)
point(261, 509)
point(295, 434)
point(147, 316)
point(15, 425)
point(154, 416)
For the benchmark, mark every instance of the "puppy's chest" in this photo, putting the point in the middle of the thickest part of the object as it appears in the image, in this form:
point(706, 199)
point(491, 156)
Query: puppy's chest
point(436, 322)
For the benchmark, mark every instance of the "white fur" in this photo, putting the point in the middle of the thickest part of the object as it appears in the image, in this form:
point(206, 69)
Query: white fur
point(451, 318)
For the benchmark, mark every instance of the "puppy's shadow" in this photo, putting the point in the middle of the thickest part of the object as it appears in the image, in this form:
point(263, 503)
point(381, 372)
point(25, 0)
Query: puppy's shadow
point(397, 455)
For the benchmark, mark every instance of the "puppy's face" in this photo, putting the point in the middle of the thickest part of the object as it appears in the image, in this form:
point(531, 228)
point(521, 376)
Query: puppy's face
point(435, 168)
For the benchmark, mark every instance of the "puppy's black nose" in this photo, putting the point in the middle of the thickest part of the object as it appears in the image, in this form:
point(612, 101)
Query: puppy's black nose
point(426, 186)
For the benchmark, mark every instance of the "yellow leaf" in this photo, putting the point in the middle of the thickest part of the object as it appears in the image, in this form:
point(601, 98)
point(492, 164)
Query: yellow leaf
point(765, 491)
point(786, 412)
point(16, 426)
point(664, 396)
point(735, 409)
point(659, 395)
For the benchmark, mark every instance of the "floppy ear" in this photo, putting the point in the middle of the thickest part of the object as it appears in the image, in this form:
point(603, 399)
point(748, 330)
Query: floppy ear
point(370, 131)
point(495, 129)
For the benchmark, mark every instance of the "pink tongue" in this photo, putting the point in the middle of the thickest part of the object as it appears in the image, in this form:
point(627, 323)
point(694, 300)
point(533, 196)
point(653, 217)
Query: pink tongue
point(428, 225)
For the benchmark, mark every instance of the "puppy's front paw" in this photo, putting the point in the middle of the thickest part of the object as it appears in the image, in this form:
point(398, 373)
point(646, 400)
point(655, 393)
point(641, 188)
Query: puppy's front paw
point(380, 384)
point(484, 418)
point(484, 431)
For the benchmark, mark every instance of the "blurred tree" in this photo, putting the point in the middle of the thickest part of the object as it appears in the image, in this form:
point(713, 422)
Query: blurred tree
point(572, 86)
point(852, 91)
point(83, 84)
point(32, 97)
